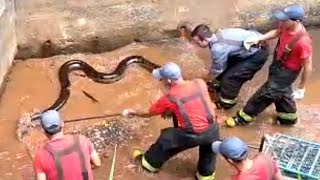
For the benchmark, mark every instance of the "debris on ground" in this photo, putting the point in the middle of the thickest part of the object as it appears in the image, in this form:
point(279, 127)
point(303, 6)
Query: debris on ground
point(25, 124)
point(107, 135)
point(103, 134)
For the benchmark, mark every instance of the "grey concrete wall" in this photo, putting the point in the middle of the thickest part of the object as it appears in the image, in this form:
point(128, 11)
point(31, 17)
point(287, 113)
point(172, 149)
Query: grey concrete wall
point(7, 36)
point(47, 27)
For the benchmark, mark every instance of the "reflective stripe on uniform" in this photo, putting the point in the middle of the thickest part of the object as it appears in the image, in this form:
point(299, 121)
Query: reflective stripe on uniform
point(228, 101)
point(200, 177)
point(287, 116)
point(245, 116)
point(146, 165)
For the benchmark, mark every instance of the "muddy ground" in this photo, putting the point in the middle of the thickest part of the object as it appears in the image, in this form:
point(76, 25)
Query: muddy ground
point(33, 84)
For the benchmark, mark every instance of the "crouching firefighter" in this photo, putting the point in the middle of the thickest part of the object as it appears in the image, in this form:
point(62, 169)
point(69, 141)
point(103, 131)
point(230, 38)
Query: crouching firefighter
point(64, 156)
point(194, 118)
point(293, 53)
point(233, 64)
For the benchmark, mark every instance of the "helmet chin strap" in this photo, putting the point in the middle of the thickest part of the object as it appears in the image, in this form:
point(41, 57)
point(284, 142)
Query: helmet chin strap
point(230, 162)
point(173, 80)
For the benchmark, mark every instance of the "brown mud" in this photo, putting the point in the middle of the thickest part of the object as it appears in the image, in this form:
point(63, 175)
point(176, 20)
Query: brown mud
point(33, 85)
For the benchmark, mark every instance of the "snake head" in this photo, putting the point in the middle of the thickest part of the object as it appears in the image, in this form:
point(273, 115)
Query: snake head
point(35, 117)
point(25, 123)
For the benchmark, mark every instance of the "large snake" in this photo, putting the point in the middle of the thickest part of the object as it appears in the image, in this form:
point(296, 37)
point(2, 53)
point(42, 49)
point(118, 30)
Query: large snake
point(90, 72)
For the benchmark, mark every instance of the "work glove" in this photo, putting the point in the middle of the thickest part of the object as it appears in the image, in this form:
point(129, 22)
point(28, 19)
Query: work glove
point(298, 94)
point(128, 113)
point(250, 41)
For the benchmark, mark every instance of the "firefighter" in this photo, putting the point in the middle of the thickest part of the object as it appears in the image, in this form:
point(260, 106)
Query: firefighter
point(64, 156)
point(293, 54)
point(233, 64)
point(194, 118)
point(235, 152)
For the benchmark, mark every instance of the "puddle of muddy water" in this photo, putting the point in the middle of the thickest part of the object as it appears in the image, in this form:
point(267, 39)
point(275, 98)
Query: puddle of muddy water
point(33, 84)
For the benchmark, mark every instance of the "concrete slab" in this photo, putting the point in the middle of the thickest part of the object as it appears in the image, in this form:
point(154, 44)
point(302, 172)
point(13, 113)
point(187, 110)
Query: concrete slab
point(7, 37)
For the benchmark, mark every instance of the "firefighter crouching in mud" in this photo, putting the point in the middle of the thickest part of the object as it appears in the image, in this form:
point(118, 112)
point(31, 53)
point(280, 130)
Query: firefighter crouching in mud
point(235, 152)
point(64, 156)
point(293, 53)
point(194, 119)
point(233, 64)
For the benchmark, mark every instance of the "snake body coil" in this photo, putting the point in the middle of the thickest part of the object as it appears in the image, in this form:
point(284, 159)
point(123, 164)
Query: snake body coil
point(90, 72)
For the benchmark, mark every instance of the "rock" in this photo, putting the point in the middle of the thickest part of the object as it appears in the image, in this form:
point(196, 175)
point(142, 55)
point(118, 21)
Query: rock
point(98, 26)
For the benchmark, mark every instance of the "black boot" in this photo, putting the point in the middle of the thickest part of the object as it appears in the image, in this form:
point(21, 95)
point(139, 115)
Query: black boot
point(287, 122)
point(222, 105)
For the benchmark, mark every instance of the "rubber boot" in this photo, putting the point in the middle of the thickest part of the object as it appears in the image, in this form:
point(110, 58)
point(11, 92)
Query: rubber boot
point(138, 157)
point(198, 176)
point(223, 105)
point(236, 121)
point(287, 122)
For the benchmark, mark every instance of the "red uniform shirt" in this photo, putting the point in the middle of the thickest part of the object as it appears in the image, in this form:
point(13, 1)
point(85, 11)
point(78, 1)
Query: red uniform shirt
point(261, 168)
point(300, 51)
point(194, 108)
point(44, 162)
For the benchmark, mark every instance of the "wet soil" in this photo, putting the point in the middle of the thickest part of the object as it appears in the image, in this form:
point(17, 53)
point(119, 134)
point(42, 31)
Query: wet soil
point(33, 84)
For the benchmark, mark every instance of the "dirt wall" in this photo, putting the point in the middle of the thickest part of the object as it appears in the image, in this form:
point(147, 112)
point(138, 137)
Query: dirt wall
point(47, 27)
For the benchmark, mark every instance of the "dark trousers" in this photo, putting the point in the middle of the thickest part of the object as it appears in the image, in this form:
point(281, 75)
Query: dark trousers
point(276, 90)
point(174, 140)
point(240, 70)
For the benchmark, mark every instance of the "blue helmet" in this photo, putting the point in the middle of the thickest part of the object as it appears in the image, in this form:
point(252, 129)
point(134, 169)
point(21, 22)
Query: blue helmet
point(291, 12)
point(168, 71)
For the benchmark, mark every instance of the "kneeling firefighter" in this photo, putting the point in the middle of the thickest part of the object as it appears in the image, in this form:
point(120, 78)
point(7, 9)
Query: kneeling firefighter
point(194, 118)
point(233, 64)
point(293, 53)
